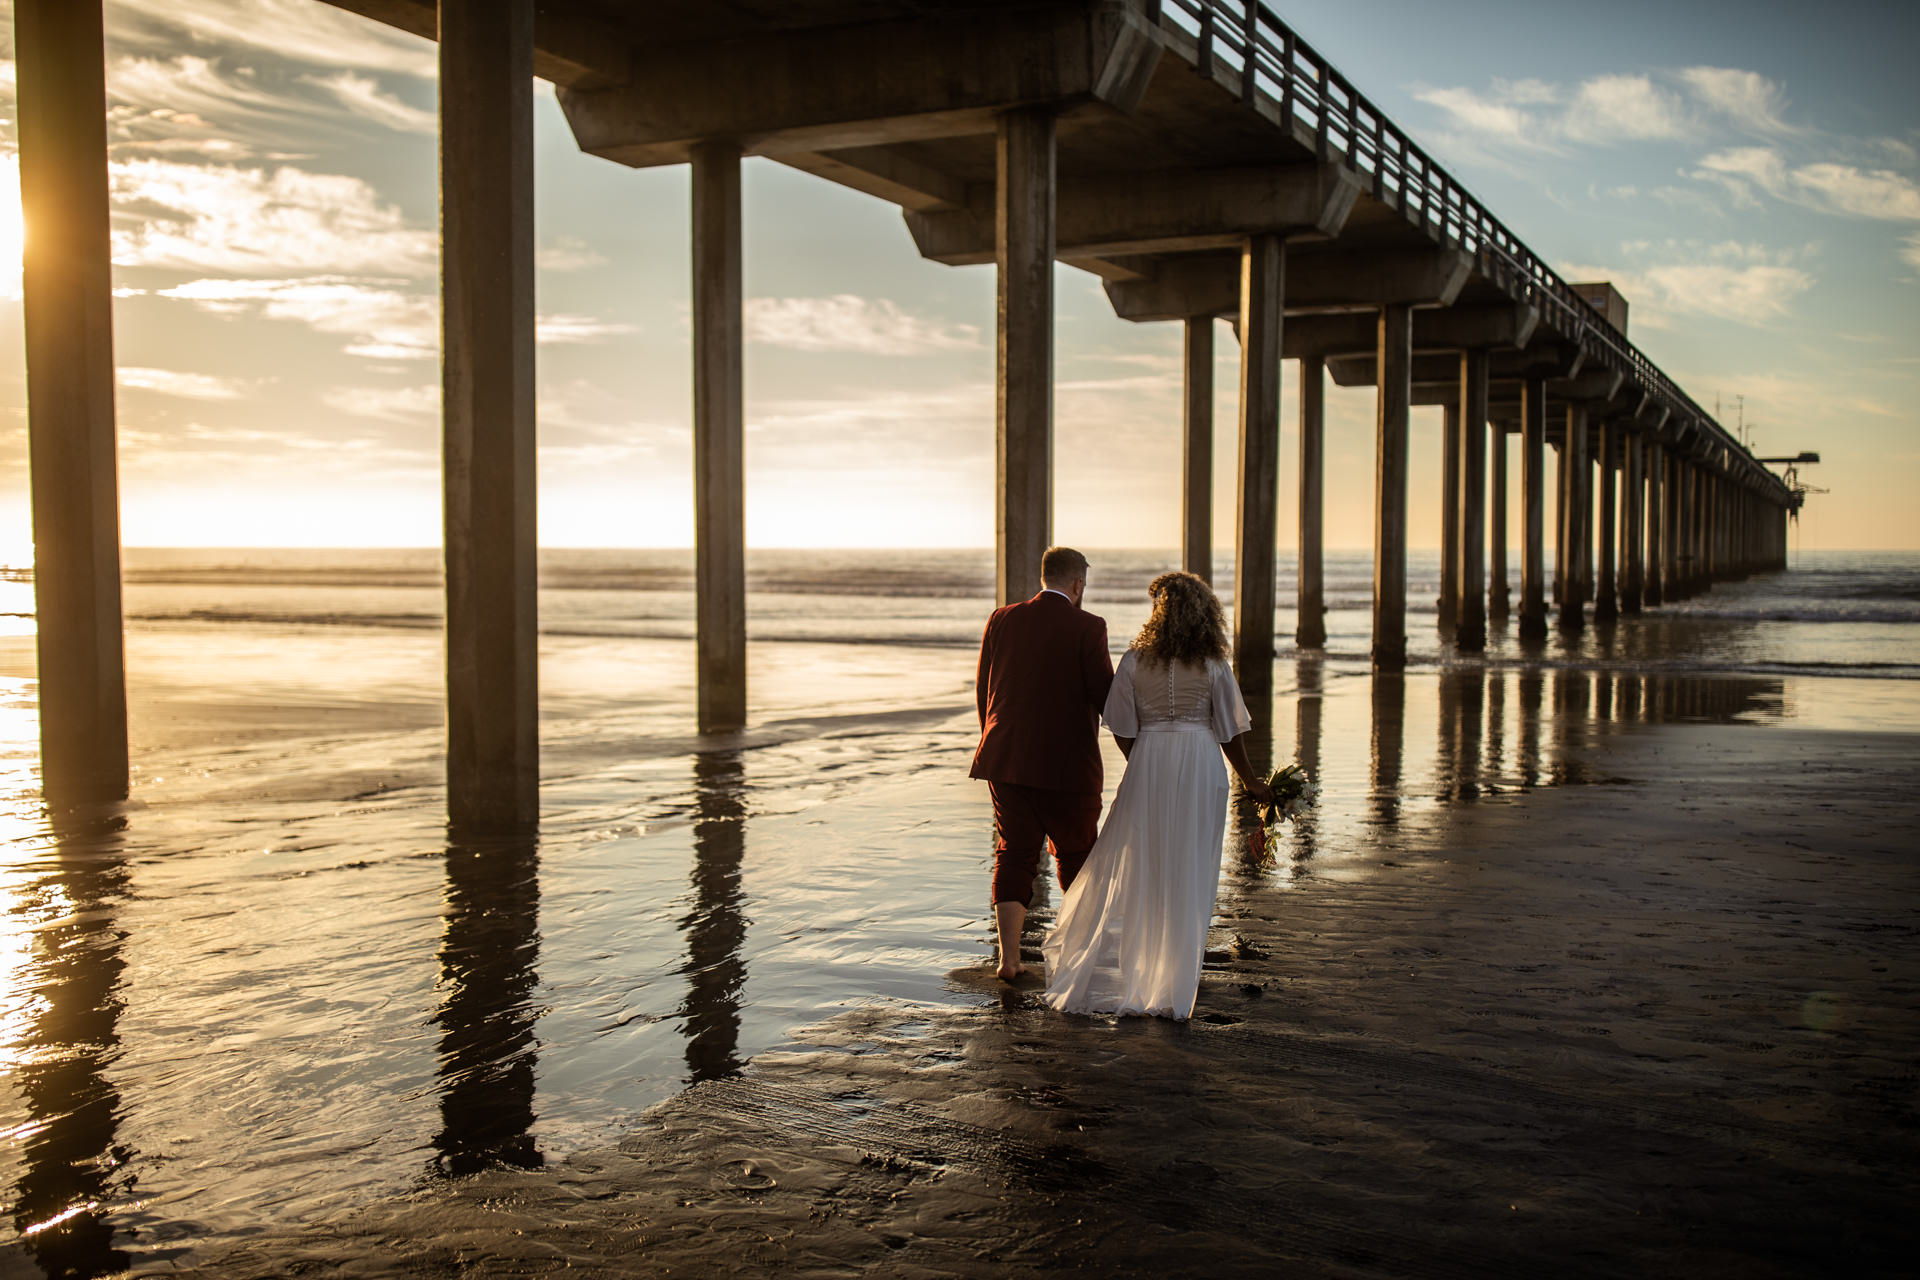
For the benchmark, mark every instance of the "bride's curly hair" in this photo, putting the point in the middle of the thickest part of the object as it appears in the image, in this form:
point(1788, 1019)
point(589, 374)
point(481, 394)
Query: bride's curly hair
point(1187, 624)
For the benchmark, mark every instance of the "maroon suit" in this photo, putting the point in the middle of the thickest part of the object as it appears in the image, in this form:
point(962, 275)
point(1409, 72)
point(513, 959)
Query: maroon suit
point(1043, 680)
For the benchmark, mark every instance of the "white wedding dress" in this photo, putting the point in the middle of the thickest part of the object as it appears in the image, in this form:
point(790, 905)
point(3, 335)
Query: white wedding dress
point(1133, 928)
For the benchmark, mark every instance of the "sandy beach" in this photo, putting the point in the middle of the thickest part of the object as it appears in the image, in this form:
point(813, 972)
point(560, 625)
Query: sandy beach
point(1622, 989)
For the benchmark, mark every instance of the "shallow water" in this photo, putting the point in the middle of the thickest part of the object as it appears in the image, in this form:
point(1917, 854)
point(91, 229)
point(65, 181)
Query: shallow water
point(242, 1000)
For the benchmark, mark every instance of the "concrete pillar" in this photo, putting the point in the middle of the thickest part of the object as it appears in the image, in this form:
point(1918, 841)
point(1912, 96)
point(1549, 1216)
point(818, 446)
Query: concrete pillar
point(1310, 630)
point(1262, 300)
point(1196, 502)
point(68, 322)
point(1633, 550)
point(719, 464)
point(1573, 497)
point(487, 346)
point(1682, 580)
point(1471, 543)
point(1448, 610)
point(1395, 401)
point(1657, 533)
point(1024, 196)
point(1562, 507)
point(1497, 601)
point(1533, 569)
point(1606, 594)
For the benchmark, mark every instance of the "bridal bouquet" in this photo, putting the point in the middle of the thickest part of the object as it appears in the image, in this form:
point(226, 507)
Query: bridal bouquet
point(1293, 791)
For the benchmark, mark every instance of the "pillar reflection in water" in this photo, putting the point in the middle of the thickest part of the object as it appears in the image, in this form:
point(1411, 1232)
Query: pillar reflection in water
point(716, 927)
point(488, 955)
point(1496, 723)
point(1531, 690)
point(1389, 732)
point(1306, 749)
point(73, 1165)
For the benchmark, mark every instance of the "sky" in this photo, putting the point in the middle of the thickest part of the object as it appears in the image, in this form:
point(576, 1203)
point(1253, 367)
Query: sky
point(1747, 175)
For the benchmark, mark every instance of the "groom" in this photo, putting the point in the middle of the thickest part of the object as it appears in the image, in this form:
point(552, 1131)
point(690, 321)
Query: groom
point(1043, 680)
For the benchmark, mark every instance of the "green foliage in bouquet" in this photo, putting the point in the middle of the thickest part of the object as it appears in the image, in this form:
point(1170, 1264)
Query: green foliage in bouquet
point(1293, 791)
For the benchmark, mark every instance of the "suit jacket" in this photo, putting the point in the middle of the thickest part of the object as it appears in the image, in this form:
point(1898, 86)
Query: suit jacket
point(1043, 680)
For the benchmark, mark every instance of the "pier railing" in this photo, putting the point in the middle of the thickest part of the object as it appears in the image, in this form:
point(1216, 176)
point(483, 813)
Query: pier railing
point(1278, 68)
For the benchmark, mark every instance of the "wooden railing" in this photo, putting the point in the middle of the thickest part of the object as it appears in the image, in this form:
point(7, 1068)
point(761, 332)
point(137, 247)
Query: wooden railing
point(1277, 67)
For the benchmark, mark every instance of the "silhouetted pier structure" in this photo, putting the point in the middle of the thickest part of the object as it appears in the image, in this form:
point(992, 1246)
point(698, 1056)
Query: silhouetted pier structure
point(1198, 156)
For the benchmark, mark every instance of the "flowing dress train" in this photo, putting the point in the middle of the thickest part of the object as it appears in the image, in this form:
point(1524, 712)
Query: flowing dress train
point(1132, 930)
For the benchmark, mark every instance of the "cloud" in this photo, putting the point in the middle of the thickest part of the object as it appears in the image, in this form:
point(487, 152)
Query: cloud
point(1740, 169)
point(187, 386)
point(395, 404)
point(362, 96)
point(1744, 282)
point(567, 254)
point(1910, 250)
point(381, 322)
point(550, 330)
point(1746, 98)
point(1506, 121)
point(296, 30)
point(1610, 109)
point(849, 323)
point(252, 221)
point(1866, 193)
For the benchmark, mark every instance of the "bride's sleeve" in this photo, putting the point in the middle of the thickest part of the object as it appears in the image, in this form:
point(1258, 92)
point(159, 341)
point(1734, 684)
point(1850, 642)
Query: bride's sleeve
point(1119, 714)
point(1230, 718)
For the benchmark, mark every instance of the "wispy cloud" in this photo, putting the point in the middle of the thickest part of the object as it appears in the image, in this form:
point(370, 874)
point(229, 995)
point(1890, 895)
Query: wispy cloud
point(552, 330)
point(1732, 280)
point(395, 404)
point(256, 221)
point(1608, 109)
point(849, 323)
point(1747, 99)
point(363, 96)
point(186, 386)
point(380, 321)
point(297, 30)
point(1825, 185)
point(1910, 251)
point(568, 254)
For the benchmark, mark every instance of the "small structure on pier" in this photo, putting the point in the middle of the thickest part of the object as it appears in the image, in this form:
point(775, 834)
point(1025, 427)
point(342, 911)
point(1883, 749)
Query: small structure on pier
point(1197, 156)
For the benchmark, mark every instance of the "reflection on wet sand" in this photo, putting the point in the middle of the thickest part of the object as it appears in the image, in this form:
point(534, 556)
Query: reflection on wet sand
point(488, 955)
point(716, 927)
point(1389, 737)
point(1306, 746)
point(74, 1166)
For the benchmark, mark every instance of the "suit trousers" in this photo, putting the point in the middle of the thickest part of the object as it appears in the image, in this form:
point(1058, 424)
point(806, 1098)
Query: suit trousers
point(1025, 821)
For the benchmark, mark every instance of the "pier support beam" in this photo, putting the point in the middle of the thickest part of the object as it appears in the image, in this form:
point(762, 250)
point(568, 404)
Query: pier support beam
point(487, 343)
point(1606, 606)
point(1395, 402)
point(1471, 541)
point(1448, 611)
point(719, 464)
point(1574, 499)
point(1633, 552)
point(1497, 594)
point(1024, 195)
point(68, 319)
point(1196, 494)
point(1262, 303)
point(1562, 505)
point(1310, 630)
point(1655, 468)
point(1533, 447)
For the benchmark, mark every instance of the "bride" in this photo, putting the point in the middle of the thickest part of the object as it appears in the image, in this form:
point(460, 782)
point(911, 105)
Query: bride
point(1133, 928)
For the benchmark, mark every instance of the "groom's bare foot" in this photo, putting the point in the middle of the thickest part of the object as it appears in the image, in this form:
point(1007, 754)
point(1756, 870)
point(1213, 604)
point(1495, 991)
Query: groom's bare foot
point(1008, 972)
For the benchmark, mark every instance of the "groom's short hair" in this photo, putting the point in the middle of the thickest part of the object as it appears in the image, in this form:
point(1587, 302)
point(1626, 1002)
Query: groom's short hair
point(1061, 565)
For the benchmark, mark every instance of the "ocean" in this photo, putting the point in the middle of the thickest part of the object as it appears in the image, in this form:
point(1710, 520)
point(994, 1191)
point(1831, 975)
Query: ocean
point(270, 988)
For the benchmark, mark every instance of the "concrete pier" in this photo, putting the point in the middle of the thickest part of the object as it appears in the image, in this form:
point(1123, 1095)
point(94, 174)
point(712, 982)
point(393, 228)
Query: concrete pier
point(1310, 627)
point(719, 458)
point(1023, 224)
point(1394, 403)
point(1255, 581)
point(1497, 592)
point(1606, 599)
point(1574, 500)
point(1633, 548)
point(1196, 455)
point(1655, 469)
point(67, 288)
point(1533, 569)
point(1447, 613)
point(487, 345)
point(1470, 543)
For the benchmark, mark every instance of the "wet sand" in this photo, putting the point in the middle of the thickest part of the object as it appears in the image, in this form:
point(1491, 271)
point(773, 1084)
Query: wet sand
point(1658, 1019)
